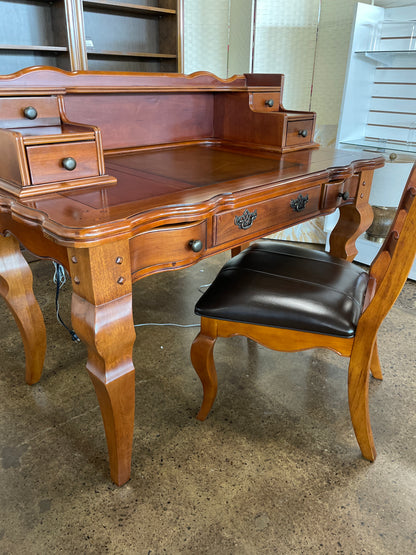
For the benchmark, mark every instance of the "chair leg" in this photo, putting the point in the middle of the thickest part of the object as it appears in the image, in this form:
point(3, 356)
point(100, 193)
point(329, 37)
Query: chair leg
point(202, 356)
point(375, 364)
point(358, 380)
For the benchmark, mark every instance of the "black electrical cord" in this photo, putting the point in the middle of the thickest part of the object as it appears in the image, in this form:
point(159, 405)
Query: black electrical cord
point(60, 280)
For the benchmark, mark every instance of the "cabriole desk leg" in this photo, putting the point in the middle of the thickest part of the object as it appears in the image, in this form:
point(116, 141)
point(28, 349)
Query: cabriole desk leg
point(353, 221)
point(102, 318)
point(16, 289)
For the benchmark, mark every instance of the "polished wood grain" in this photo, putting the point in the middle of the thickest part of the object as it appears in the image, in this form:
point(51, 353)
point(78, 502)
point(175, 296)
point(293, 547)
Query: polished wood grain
point(388, 274)
point(175, 159)
point(170, 190)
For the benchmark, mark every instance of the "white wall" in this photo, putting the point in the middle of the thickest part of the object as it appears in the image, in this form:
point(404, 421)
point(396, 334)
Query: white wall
point(206, 34)
point(284, 42)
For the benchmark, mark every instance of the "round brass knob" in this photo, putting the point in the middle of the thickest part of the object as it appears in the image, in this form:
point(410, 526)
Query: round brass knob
point(393, 156)
point(195, 244)
point(269, 102)
point(303, 132)
point(345, 195)
point(69, 163)
point(30, 112)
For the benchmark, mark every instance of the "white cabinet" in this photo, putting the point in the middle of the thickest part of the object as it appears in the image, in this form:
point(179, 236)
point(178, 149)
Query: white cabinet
point(378, 111)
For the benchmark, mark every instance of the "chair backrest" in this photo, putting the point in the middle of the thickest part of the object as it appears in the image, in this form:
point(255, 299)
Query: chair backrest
point(391, 266)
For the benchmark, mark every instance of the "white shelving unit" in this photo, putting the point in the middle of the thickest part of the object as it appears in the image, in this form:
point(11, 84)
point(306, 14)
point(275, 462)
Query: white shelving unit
point(378, 111)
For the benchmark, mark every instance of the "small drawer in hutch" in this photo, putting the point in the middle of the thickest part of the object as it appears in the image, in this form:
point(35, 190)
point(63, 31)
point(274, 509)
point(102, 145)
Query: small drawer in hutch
point(299, 132)
point(62, 161)
point(265, 102)
point(29, 111)
point(262, 217)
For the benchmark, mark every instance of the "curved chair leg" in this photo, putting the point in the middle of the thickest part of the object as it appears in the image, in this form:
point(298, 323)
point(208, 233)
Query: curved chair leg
point(202, 356)
point(375, 363)
point(16, 289)
point(358, 380)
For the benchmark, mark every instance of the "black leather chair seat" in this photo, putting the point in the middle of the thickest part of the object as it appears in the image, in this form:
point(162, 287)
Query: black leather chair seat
point(285, 286)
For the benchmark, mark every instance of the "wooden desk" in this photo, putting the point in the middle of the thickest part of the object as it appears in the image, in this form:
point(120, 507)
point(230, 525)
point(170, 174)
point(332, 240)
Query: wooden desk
point(231, 170)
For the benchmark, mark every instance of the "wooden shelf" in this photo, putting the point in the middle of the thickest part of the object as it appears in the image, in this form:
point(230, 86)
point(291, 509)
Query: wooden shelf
point(413, 51)
point(129, 54)
point(126, 7)
point(33, 47)
point(380, 145)
point(100, 35)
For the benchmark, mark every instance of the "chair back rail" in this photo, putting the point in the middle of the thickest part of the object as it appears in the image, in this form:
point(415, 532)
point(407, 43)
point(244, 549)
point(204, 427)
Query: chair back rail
point(393, 263)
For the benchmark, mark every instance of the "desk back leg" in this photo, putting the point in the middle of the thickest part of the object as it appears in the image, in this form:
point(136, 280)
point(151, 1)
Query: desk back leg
point(353, 221)
point(16, 282)
point(102, 318)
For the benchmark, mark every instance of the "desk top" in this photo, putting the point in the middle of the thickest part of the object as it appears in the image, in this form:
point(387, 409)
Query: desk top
point(171, 185)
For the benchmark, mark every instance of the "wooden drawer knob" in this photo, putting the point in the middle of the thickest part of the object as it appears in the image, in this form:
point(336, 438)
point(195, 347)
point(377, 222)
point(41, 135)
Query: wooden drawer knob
point(195, 244)
point(345, 195)
point(69, 163)
point(30, 112)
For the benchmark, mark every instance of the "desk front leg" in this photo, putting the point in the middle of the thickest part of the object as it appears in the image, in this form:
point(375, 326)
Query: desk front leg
point(102, 318)
point(354, 220)
point(16, 289)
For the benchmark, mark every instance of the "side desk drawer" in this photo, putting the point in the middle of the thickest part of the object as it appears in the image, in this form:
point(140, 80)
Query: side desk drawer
point(340, 192)
point(167, 247)
point(299, 132)
point(47, 162)
point(263, 216)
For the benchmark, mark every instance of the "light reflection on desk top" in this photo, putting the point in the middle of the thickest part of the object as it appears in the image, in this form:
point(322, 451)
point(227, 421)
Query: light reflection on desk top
point(185, 177)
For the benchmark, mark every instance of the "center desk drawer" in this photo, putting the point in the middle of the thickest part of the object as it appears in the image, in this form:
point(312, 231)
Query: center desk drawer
point(47, 162)
point(266, 216)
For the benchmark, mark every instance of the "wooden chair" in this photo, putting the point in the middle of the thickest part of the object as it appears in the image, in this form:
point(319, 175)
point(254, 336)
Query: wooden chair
point(290, 298)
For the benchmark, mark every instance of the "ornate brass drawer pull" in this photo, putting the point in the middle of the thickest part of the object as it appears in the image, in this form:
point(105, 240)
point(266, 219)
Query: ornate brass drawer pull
point(246, 219)
point(299, 204)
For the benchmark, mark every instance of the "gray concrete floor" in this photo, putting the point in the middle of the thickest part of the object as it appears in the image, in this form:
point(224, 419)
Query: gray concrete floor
point(274, 469)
